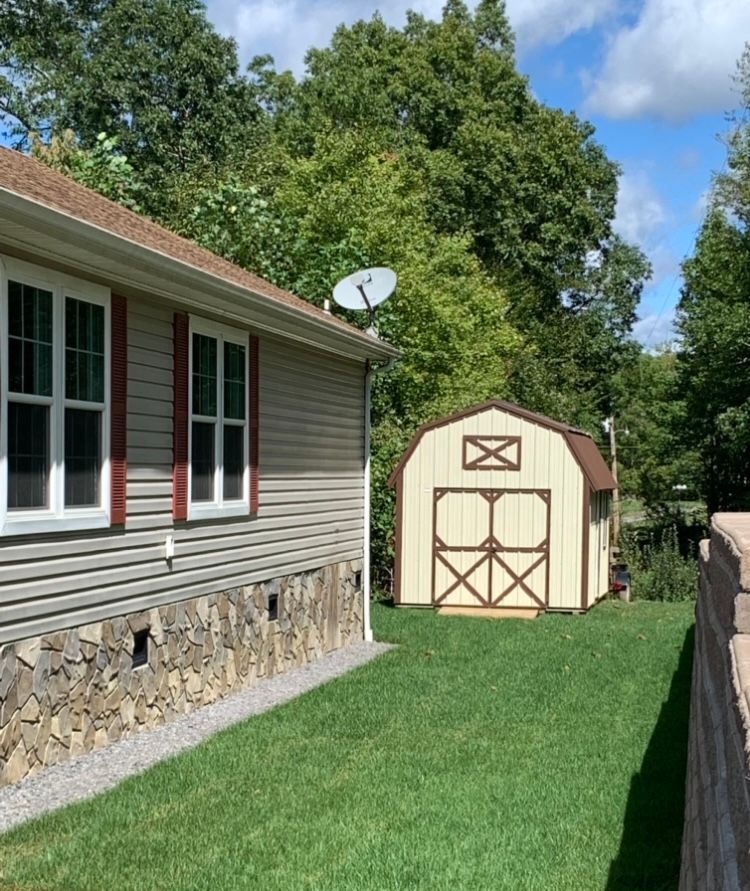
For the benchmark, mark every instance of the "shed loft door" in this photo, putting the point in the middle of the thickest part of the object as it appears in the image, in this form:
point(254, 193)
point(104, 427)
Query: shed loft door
point(491, 547)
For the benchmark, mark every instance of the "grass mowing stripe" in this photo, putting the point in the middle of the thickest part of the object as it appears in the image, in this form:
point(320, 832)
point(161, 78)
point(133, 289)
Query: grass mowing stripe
point(544, 755)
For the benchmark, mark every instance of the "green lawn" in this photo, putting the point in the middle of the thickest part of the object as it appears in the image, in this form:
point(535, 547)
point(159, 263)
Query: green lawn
point(480, 754)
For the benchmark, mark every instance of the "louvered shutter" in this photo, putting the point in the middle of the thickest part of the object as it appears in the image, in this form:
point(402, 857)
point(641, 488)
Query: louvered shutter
point(253, 391)
point(180, 418)
point(119, 411)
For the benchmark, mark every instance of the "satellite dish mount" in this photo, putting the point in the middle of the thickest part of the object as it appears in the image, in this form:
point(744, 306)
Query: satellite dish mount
point(360, 286)
point(365, 291)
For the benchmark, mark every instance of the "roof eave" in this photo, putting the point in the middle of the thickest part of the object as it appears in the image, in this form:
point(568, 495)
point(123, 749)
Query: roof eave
point(180, 282)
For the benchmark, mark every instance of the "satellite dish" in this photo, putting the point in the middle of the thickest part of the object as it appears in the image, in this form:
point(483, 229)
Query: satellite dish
point(366, 289)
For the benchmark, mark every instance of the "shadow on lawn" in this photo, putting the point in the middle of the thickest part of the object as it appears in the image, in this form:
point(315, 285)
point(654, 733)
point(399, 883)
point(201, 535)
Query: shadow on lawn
point(649, 855)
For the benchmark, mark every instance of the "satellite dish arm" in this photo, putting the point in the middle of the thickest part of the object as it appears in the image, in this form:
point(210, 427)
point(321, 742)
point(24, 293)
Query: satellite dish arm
point(361, 288)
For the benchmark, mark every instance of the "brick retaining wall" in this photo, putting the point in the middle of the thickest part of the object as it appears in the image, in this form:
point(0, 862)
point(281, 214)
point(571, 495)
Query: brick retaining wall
point(716, 839)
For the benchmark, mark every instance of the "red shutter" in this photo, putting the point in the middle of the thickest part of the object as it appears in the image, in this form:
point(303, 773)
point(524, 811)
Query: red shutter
point(119, 411)
point(180, 419)
point(253, 391)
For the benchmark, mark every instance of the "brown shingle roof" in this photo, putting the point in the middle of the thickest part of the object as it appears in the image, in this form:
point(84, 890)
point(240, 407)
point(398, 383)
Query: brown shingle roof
point(31, 179)
point(583, 447)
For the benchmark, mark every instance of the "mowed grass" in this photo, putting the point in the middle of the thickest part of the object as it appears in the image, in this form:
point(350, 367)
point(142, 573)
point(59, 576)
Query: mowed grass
point(480, 754)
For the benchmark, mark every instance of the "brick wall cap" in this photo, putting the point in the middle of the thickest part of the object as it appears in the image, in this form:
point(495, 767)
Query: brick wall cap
point(736, 528)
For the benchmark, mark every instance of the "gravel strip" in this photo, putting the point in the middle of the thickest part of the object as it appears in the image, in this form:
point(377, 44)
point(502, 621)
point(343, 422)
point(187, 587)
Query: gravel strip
point(90, 774)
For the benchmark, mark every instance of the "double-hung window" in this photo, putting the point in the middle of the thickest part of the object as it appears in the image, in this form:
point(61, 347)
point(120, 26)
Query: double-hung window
point(54, 398)
point(219, 465)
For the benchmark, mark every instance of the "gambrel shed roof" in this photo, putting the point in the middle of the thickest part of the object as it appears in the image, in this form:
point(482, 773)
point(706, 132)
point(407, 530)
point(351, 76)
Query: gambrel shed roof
point(580, 443)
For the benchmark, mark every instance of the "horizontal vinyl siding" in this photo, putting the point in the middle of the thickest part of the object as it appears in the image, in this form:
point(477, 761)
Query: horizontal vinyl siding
point(311, 488)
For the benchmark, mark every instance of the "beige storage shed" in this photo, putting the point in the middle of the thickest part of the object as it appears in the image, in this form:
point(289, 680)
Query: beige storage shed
point(497, 508)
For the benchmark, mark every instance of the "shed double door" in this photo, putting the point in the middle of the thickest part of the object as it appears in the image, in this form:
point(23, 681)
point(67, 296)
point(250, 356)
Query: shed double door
point(491, 547)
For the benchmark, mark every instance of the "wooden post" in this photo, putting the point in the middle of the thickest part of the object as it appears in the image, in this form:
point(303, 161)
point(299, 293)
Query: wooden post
point(616, 490)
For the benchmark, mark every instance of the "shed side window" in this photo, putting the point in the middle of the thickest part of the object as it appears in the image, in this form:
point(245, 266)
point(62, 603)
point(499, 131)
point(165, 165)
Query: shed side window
point(54, 413)
point(219, 429)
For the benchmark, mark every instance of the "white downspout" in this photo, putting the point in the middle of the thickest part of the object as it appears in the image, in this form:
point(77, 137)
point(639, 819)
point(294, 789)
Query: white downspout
point(371, 372)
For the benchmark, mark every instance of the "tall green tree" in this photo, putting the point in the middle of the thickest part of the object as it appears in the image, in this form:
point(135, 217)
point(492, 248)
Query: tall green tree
point(343, 208)
point(151, 74)
point(651, 416)
point(420, 147)
point(714, 320)
point(527, 185)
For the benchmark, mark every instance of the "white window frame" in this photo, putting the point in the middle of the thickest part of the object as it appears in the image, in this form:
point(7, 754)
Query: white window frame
point(219, 507)
point(56, 518)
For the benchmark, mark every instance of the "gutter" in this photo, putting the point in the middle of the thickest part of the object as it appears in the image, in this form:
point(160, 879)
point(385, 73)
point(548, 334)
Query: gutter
point(366, 582)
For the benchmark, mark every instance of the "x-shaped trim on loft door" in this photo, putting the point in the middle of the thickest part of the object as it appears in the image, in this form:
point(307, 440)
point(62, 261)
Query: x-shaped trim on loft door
point(492, 453)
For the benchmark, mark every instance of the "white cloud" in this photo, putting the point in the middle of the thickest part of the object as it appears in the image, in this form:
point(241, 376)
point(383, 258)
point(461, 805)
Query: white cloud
point(641, 215)
point(288, 28)
point(540, 22)
point(642, 219)
point(655, 329)
point(674, 62)
point(689, 159)
point(665, 264)
point(699, 209)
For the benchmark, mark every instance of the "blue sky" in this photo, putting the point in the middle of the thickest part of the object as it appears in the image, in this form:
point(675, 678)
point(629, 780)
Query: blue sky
point(654, 76)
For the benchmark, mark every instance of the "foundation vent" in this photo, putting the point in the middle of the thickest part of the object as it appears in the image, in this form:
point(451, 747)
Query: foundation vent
point(140, 648)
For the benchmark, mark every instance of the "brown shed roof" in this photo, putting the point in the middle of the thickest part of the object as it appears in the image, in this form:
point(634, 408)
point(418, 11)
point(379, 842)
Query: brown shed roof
point(590, 459)
point(580, 443)
point(30, 179)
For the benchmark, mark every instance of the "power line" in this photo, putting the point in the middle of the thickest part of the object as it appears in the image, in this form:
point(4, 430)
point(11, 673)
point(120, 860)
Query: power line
point(667, 295)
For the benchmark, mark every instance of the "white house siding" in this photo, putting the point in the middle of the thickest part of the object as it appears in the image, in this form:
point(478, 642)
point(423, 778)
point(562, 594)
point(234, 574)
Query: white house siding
point(546, 463)
point(311, 487)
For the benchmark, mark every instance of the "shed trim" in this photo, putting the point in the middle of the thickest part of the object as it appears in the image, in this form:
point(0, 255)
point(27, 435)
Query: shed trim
point(585, 547)
point(399, 541)
point(486, 452)
point(581, 444)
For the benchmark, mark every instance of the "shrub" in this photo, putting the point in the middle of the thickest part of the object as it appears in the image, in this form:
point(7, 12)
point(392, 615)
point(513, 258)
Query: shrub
point(658, 568)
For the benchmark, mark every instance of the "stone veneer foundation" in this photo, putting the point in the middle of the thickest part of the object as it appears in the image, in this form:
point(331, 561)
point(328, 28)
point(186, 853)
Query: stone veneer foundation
point(76, 690)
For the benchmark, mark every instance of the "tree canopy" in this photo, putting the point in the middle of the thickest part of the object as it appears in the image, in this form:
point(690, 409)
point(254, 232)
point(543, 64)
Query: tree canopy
point(714, 321)
point(419, 147)
point(529, 183)
point(151, 74)
point(651, 419)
